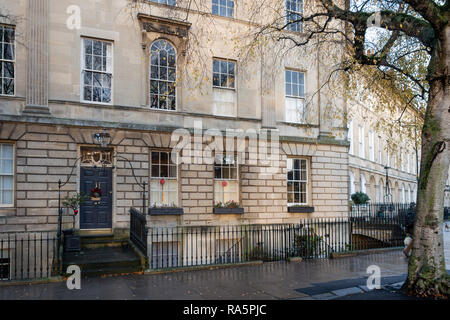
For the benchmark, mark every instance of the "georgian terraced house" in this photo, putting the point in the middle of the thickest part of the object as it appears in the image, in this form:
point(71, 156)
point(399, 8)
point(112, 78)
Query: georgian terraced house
point(376, 156)
point(169, 108)
point(70, 70)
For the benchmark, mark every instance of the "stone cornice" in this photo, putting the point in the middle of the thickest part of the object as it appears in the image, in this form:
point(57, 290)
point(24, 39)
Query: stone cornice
point(164, 25)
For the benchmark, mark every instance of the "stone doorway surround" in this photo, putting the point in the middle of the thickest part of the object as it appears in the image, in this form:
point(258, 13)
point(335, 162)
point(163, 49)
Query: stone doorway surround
point(99, 161)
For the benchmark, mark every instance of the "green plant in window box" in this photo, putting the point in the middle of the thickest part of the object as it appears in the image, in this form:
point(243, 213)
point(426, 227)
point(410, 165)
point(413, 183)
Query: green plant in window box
point(164, 205)
point(228, 204)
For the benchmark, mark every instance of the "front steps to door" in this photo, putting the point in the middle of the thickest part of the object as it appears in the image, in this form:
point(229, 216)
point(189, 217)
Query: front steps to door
point(105, 254)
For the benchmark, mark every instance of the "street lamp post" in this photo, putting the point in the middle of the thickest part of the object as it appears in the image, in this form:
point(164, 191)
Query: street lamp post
point(387, 193)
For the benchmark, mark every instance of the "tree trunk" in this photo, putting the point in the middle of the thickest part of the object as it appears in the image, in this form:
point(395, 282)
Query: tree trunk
point(427, 276)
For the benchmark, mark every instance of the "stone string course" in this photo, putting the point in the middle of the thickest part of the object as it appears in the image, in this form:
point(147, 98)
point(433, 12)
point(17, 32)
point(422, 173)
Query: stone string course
point(45, 154)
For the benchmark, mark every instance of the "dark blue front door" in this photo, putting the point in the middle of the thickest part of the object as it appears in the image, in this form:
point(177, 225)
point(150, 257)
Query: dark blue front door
point(95, 215)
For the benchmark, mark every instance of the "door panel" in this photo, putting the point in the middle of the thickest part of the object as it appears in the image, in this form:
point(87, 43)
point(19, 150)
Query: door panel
point(96, 216)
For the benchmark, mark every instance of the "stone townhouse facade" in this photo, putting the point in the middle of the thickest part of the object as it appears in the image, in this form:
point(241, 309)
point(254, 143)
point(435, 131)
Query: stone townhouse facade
point(372, 149)
point(73, 70)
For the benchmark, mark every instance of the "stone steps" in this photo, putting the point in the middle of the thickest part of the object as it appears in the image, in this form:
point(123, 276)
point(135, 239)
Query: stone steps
point(100, 241)
point(103, 260)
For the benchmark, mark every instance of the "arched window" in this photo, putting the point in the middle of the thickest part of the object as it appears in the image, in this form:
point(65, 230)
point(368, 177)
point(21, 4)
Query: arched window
point(380, 191)
point(362, 182)
point(352, 183)
point(162, 75)
point(403, 194)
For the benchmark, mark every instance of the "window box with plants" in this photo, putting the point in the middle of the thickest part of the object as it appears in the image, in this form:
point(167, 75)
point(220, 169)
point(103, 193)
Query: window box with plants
point(300, 209)
point(229, 207)
point(165, 209)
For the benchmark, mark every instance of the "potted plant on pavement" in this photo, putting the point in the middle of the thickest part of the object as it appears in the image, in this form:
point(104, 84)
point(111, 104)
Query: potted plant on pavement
point(72, 241)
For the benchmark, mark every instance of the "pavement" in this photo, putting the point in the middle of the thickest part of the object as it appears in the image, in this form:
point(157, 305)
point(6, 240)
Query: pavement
point(319, 279)
point(310, 279)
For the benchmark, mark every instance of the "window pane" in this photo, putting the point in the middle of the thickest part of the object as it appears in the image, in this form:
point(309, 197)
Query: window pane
point(154, 74)
point(7, 197)
point(106, 95)
point(154, 59)
point(163, 58)
point(216, 80)
point(8, 69)
point(162, 87)
point(171, 103)
point(7, 151)
point(88, 62)
point(231, 68)
point(88, 46)
point(222, 11)
point(88, 78)
point(154, 86)
point(223, 67)
point(97, 63)
point(296, 175)
point(162, 102)
point(223, 80)
point(107, 80)
point(288, 76)
point(290, 187)
point(9, 35)
point(163, 73)
point(88, 93)
point(164, 171)
point(8, 51)
point(233, 173)
point(164, 158)
point(226, 173)
point(216, 66)
point(217, 172)
point(303, 164)
point(154, 101)
point(290, 175)
point(303, 198)
point(7, 183)
point(231, 82)
point(96, 93)
point(97, 79)
point(173, 171)
point(172, 73)
point(288, 89)
point(290, 198)
point(6, 167)
point(301, 77)
point(155, 171)
point(97, 48)
point(301, 91)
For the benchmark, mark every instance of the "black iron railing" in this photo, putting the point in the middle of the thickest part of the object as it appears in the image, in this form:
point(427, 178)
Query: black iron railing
point(184, 246)
point(382, 210)
point(138, 230)
point(28, 256)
